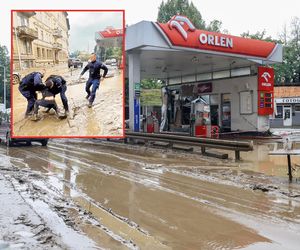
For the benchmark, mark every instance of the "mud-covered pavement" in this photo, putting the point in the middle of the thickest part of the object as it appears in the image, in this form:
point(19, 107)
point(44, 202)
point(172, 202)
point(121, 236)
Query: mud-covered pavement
point(105, 118)
point(120, 196)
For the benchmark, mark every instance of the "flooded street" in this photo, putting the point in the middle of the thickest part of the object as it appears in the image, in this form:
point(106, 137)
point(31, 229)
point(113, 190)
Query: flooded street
point(124, 196)
point(105, 118)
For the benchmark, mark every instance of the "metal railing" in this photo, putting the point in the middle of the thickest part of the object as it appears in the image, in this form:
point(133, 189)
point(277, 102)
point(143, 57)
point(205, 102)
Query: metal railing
point(236, 146)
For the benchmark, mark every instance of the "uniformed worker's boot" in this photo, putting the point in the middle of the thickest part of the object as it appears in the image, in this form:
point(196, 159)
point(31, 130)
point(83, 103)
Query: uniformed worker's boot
point(28, 114)
point(61, 115)
point(90, 104)
point(35, 117)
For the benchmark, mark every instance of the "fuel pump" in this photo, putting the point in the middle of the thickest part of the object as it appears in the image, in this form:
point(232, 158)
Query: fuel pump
point(200, 118)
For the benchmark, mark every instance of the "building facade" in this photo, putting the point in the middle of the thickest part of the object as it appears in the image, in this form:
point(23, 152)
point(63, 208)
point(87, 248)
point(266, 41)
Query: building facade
point(287, 103)
point(40, 39)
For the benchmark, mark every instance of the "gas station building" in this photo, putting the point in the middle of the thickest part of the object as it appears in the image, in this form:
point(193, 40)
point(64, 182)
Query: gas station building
point(209, 79)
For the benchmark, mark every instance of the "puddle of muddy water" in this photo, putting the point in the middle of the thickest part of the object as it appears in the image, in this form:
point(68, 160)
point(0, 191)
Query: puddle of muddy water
point(127, 191)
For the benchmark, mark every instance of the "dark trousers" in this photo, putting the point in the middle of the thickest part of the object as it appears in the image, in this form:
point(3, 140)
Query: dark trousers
point(63, 97)
point(31, 97)
point(50, 104)
point(95, 85)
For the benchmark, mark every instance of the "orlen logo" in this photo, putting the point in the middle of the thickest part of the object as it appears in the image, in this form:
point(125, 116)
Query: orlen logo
point(266, 76)
point(178, 22)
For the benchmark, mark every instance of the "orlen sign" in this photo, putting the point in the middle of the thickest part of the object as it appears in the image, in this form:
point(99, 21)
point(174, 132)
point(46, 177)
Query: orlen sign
point(216, 40)
point(181, 33)
point(265, 79)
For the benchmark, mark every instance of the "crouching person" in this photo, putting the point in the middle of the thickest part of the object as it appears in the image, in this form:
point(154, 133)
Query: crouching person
point(47, 101)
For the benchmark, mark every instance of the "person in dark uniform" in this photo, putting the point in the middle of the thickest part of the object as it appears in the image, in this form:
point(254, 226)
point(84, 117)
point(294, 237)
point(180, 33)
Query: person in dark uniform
point(28, 87)
point(94, 67)
point(57, 85)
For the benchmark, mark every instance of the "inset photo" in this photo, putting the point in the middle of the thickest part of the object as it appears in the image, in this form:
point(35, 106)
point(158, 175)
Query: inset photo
point(67, 73)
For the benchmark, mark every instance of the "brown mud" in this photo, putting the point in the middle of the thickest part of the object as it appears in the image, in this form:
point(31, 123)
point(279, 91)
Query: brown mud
point(139, 197)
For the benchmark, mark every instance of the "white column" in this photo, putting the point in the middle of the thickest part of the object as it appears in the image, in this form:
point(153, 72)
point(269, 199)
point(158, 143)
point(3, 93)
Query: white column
point(134, 76)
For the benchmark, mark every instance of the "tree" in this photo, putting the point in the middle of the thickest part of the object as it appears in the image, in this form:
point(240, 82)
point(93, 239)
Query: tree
point(180, 7)
point(5, 61)
point(215, 26)
point(289, 70)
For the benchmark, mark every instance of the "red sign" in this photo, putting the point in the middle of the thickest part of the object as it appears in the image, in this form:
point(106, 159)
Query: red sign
point(265, 88)
point(203, 88)
point(265, 78)
point(181, 32)
point(111, 32)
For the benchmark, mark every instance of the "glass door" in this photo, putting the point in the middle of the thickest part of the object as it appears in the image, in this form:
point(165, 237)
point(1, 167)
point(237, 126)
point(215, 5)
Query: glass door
point(226, 112)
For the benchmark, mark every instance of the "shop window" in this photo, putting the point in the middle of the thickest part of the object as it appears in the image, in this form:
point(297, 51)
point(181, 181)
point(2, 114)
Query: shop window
point(221, 74)
point(240, 72)
point(175, 80)
point(203, 77)
point(188, 78)
point(297, 108)
point(279, 112)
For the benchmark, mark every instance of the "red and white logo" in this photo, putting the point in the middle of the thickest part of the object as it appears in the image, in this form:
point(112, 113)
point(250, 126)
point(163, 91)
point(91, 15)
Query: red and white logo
point(179, 23)
point(265, 78)
point(266, 75)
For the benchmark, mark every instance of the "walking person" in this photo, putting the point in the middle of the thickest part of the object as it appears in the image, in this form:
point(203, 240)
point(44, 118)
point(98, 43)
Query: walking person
point(28, 87)
point(57, 85)
point(94, 67)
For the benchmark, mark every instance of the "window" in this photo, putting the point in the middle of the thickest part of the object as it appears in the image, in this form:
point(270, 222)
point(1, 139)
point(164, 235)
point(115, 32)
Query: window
point(43, 53)
point(221, 74)
point(279, 112)
point(38, 50)
point(28, 47)
point(297, 108)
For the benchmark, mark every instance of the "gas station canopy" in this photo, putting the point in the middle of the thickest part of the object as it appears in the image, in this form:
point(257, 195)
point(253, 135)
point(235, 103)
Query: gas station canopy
point(176, 49)
point(110, 37)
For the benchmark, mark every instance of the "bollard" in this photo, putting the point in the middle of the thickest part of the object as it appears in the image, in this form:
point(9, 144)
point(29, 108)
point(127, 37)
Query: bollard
point(237, 155)
point(289, 167)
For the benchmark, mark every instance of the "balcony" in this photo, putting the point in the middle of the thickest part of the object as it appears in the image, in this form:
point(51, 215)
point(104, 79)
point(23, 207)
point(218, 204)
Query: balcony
point(26, 32)
point(57, 46)
point(28, 13)
point(57, 33)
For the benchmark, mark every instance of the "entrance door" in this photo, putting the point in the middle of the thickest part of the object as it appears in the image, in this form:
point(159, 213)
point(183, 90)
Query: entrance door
point(226, 112)
point(287, 116)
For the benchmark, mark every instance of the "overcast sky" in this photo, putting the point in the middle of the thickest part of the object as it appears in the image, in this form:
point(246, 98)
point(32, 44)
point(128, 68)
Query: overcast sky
point(237, 16)
point(83, 26)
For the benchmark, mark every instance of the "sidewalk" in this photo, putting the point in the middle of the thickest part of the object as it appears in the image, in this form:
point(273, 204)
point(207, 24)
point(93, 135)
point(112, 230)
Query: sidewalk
point(20, 226)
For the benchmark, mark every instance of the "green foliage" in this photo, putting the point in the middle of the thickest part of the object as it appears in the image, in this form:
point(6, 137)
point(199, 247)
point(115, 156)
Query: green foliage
point(215, 26)
point(5, 61)
point(180, 7)
point(289, 70)
point(150, 84)
point(115, 52)
point(260, 35)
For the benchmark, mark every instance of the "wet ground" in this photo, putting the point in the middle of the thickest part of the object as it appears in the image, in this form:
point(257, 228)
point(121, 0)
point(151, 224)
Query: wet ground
point(105, 118)
point(120, 196)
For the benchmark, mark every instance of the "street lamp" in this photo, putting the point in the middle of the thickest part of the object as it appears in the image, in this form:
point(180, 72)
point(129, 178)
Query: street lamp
point(4, 87)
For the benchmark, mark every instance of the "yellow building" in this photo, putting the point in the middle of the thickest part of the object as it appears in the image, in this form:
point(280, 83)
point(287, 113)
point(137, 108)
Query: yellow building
point(40, 39)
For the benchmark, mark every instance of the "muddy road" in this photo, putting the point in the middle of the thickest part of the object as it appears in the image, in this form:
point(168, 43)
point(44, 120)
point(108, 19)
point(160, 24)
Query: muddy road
point(134, 197)
point(105, 118)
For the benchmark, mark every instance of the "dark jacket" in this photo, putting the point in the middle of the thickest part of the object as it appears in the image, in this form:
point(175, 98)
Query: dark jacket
point(58, 81)
point(32, 82)
point(94, 69)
